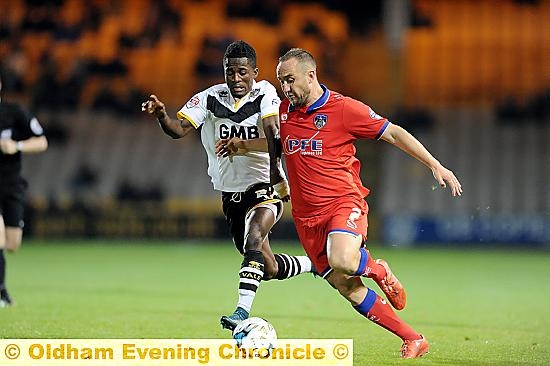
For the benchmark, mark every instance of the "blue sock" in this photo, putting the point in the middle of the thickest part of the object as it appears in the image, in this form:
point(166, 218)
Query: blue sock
point(364, 307)
point(363, 262)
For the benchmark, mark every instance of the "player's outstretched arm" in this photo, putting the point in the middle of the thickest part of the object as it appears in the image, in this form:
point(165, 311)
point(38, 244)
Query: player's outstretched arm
point(32, 145)
point(238, 146)
point(399, 137)
point(173, 128)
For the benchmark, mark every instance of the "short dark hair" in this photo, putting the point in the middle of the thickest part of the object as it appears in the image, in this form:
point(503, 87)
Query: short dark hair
point(240, 49)
point(300, 54)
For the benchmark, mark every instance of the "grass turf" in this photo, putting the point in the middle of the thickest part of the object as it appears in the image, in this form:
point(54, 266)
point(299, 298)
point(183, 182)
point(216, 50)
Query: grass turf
point(476, 307)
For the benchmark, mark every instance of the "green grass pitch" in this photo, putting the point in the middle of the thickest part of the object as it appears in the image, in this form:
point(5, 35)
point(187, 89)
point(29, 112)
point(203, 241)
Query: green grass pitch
point(476, 307)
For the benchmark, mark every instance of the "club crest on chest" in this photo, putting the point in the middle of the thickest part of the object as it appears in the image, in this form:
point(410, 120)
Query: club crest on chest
point(320, 120)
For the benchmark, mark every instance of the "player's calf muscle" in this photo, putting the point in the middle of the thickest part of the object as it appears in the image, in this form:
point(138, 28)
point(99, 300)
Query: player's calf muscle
point(271, 267)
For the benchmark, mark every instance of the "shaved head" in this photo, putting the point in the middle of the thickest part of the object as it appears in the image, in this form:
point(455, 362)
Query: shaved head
point(304, 58)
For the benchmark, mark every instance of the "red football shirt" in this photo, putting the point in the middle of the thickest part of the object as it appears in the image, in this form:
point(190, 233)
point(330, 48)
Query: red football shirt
point(318, 143)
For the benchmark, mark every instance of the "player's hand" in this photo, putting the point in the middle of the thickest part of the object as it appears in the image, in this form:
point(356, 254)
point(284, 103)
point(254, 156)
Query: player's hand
point(154, 106)
point(8, 146)
point(283, 190)
point(230, 147)
point(444, 176)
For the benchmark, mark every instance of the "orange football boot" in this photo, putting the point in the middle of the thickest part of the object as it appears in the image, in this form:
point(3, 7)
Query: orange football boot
point(415, 348)
point(391, 287)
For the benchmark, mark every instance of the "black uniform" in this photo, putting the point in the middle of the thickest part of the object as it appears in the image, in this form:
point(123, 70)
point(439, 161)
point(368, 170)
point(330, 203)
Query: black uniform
point(17, 124)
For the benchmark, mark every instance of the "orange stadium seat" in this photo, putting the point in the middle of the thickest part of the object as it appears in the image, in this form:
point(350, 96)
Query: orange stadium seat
point(35, 45)
point(266, 41)
point(478, 51)
point(73, 11)
point(141, 65)
point(295, 16)
point(203, 18)
point(106, 44)
point(132, 16)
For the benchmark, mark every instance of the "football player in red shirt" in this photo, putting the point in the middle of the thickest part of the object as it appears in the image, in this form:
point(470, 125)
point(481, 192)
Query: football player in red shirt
point(317, 132)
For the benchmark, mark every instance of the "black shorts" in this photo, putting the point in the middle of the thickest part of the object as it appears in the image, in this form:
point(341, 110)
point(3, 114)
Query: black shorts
point(237, 205)
point(12, 201)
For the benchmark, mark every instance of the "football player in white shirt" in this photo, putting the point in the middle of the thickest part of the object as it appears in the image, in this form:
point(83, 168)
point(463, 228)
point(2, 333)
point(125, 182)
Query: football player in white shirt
point(239, 118)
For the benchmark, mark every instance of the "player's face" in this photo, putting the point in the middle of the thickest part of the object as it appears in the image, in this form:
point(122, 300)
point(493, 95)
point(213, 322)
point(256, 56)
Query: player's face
point(295, 82)
point(239, 75)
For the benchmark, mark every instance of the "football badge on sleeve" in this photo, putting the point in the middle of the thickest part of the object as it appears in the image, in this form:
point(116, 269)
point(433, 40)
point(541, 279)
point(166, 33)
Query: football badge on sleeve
point(193, 102)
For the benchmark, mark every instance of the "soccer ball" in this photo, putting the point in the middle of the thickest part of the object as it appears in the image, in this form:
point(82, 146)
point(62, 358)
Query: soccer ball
point(256, 336)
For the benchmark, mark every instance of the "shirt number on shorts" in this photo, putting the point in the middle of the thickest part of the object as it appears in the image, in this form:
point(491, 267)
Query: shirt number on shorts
point(354, 215)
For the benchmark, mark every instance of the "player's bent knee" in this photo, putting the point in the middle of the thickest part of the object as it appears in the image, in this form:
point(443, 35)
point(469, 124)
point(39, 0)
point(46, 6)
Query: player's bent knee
point(341, 263)
point(343, 252)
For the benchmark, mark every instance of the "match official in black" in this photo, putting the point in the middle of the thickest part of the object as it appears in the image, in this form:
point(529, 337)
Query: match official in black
point(20, 133)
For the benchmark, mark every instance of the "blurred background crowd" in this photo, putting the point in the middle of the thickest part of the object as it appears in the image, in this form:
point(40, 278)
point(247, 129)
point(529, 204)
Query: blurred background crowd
point(471, 79)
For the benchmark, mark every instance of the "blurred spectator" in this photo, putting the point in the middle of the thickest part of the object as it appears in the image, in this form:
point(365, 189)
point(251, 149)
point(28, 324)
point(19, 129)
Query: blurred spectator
point(13, 67)
point(415, 119)
point(535, 109)
point(83, 181)
point(111, 68)
point(509, 110)
point(67, 31)
point(131, 99)
point(72, 83)
point(56, 132)
point(119, 95)
point(6, 26)
point(268, 11)
point(240, 8)
point(45, 92)
point(39, 19)
point(160, 19)
point(538, 106)
point(171, 33)
point(94, 16)
point(58, 87)
point(128, 191)
point(310, 28)
point(360, 21)
point(419, 17)
point(126, 40)
point(208, 66)
point(106, 99)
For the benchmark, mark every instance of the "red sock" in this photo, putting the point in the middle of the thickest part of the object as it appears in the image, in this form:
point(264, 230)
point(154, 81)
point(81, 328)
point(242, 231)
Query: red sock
point(374, 270)
point(382, 314)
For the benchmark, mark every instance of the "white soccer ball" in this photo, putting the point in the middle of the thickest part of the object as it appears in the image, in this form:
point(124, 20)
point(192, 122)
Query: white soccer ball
point(256, 336)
